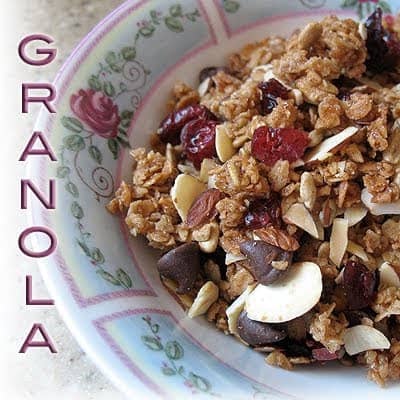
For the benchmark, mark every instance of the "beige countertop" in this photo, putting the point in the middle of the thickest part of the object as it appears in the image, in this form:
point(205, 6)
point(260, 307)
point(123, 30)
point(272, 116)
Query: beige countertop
point(37, 374)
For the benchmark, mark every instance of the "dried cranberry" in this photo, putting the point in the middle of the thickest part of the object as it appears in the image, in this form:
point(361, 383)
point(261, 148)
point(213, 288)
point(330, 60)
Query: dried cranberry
point(198, 140)
point(270, 92)
point(323, 354)
point(170, 128)
point(383, 46)
point(262, 212)
point(359, 285)
point(270, 145)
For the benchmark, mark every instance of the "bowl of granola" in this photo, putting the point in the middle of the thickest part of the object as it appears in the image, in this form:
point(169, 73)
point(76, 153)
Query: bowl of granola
point(229, 188)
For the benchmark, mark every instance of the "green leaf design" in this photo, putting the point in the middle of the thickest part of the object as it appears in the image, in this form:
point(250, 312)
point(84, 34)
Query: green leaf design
point(116, 68)
point(153, 14)
point(111, 58)
point(126, 114)
point(147, 31)
point(63, 172)
point(109, 89)
point(168, 371)
point(173, 24)
point(174, 350)
point(76, 210)
point(385, 7)
point(128, 53)
point(191, 17)
point(349, 3)
point(123, 141)
point(113, 146)
point(108, 277)
point(84, 247)
point(181, 370)
point(124, 278)
point(74, 143)
point(95, 153)
point(125, 123)
point(199, 382)
point(231, 6)
point(152, 343)
point(155, 328)
point(176, 10)
point(71, 188)
point(72, 124)
point(97, 256)
point(94, 83)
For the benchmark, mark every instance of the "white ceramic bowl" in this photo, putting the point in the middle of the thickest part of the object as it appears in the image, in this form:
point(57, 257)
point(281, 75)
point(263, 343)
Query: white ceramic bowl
point(105, 284)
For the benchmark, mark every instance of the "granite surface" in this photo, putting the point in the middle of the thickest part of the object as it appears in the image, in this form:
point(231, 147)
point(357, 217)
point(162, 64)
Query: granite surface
point(69, 374)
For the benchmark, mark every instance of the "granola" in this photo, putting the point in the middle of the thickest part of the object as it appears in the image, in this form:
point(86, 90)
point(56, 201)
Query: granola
point(283, 172)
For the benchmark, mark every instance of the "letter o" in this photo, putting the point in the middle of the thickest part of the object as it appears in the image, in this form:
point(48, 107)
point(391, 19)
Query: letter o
point(37, 229)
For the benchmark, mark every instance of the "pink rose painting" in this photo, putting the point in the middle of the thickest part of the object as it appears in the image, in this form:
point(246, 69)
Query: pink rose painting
point(98, 111)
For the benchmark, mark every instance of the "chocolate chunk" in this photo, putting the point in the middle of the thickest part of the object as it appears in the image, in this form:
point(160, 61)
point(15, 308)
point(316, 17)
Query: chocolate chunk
point(259, 333)
point(182, 265)
point(261, 255)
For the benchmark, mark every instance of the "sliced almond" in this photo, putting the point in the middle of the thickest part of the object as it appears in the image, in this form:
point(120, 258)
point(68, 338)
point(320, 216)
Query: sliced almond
point(357, 250)
point(362, 30)
point(388, 276)
point(298, 97)
point(210, 245)
point(361, 338)
point(204, 87)
point(290, 297)
point(223, 143)
point(321, 151)
point(298, 215)
point(184, 300)
point(207, 165)
point(379, 208)
point(320, 230)
point(339, 240)
point(233, 311)
point(208, 294)
point(231, 258)
point(355, 214)
point(184, 192)
point(308, 190)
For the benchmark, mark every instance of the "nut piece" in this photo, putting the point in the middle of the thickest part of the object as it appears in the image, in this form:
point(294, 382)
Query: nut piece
point(208, 294)
point(233, 311)
point(210, 245)
point(204, 87)
point(308, 190)
point(184, 300)
point(231, 258)
point(206, 166)
point(298, 215)
point(212, 271)
point(388, 276)
point(355, 214)
point(357, 250)
point(261, 255)
point(339, 240)
point(203, 208)
point(185, 191)
point(223, 144)
point(379, 208)
point(292, 296)
point(361, 338)
point(182, 265)
point(323, 150)
point(258, 333)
